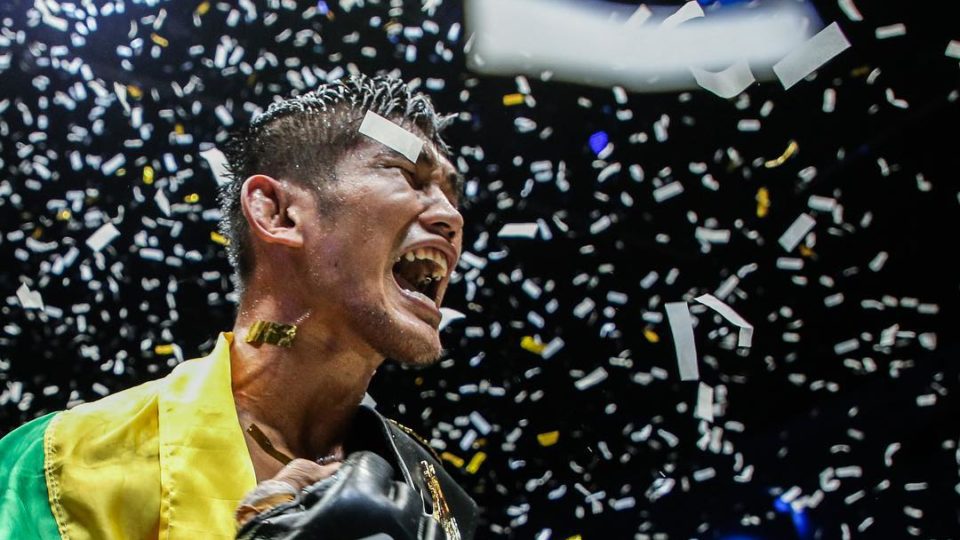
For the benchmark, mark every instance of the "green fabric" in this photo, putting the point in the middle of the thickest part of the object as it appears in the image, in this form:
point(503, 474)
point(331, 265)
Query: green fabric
point(24, 508)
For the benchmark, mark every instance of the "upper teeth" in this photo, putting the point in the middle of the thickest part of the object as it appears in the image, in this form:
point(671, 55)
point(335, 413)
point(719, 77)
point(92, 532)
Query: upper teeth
point(429, 254)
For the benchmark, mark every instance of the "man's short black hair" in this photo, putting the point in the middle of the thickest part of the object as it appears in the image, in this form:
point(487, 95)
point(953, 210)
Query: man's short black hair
point(302, 138)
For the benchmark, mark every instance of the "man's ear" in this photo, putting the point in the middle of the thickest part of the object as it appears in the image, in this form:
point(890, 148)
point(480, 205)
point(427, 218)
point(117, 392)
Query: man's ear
point(271, 209)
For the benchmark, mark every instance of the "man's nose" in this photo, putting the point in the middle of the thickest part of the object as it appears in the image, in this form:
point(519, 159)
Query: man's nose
point(442, 217)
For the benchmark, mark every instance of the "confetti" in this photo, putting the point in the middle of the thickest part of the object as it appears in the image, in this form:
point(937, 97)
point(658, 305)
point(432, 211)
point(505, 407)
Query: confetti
point(704, 409)
point(29, 299)
point(681, 325)
point(727, 83)
point(102, 237)
point(850, 10)
point(894, 30)
point(745, 338)
point(808, 58)
point(690, 10)
point(795, 233)
point(391, 135)
point(519, 230)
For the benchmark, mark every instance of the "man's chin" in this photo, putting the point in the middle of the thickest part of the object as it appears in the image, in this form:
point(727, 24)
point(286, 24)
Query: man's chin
point(417, 354)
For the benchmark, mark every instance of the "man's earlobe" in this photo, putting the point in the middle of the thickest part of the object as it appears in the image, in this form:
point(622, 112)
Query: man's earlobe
point(269, 207)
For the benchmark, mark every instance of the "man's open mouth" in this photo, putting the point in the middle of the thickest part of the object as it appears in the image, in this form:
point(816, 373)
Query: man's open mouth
point(420, 272)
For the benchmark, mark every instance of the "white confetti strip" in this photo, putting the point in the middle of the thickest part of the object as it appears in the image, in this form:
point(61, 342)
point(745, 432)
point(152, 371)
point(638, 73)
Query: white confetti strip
point(704, 409)
point(102, 237)
point(638, 17)
point(591, 379)
point(681, 325)
point(217, 162)
point(390, 134)
point(795, 233)
point(518, 230)
point(161, 199)
point(727, 83)
point(893, 30)
point(810, 56)
point(448, 315)
point(850, 10)
point(113, 164)
point(667, 191)
point(953, 49)
point(690, 10)
point(29, 299)
point(745, 338)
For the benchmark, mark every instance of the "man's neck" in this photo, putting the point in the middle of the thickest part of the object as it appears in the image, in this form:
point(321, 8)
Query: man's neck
point(302, 397)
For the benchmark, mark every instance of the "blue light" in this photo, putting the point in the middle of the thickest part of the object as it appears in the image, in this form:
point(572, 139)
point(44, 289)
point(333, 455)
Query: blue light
point(781, 505)
point(322, 7)
point(598, 141)
point(801, 524)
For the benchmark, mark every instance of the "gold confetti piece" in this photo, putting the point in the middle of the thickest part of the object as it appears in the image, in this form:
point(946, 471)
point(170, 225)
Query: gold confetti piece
point(271, 332)
point(191, 198)
point(510, 100)
point(121, 172)
point(64, 215)
point(134, 91)
point(549, 438)
point(37, 233)
point(575, 537)
point(860, 71)
point(163, 349)
point(763, 202)
point(178, 128)
point(790, 151)
point(203, 8)
point(219, 238)
point(158, 39)
point(418, 381)
point(148, 175)
point(454, 460)
point(807, 252)
point(651, 336)
point(476, 461)
point(532, 344)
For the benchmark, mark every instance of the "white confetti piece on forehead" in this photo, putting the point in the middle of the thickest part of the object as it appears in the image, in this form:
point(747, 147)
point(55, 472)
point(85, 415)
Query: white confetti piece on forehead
point(681, 325)
point(810, 56)
point(745, 338)
point(727, 83)
point(103, 236)
point(390, 134)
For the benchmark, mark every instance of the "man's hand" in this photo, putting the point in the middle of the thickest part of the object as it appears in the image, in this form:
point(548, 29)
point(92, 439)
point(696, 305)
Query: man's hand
point(360, 499)
point(282, 488)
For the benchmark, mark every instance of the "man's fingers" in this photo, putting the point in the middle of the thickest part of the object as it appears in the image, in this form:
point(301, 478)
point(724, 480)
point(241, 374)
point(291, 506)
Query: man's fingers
point(301, 473)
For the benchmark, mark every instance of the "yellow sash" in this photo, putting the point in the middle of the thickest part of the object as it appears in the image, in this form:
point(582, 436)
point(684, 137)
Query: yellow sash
point(166, 459)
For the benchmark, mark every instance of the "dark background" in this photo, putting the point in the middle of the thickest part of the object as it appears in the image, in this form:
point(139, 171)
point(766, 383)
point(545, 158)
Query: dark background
point(790, 410)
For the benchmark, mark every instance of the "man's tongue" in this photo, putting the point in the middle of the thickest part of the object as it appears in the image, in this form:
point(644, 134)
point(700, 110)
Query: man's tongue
point(403, 282)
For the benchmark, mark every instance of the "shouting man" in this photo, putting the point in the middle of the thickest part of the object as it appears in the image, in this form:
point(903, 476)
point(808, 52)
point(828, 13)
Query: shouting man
point(344, 229)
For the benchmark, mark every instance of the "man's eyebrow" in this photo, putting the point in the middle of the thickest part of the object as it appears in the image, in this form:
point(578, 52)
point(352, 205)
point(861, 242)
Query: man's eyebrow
point(455, 180)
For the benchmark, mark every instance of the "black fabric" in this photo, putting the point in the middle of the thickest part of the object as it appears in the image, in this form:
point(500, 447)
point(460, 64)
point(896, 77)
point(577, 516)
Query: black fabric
point(380, 488)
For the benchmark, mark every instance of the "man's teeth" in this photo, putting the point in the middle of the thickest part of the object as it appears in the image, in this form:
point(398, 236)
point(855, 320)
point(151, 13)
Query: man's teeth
point(429, 254)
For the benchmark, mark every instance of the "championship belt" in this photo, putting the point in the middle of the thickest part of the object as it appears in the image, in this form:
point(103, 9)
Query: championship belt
point(389, 486)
